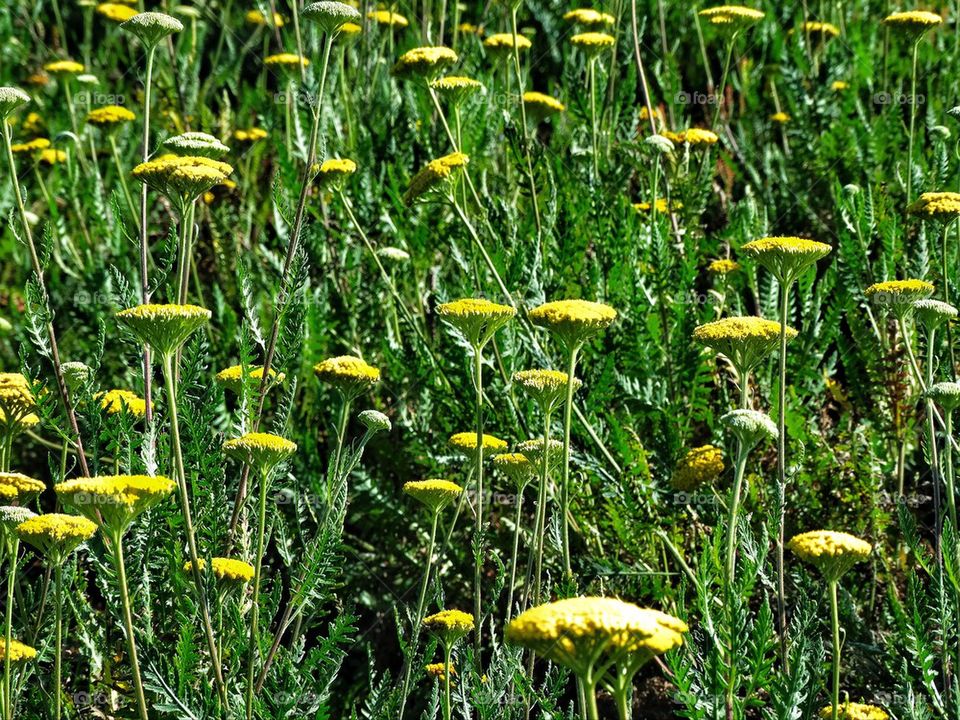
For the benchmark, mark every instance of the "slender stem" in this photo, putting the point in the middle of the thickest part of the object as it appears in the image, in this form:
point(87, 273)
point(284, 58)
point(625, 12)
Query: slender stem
point(12, 551)
point(341, 434)
point(128, 624)
point(58, 641)
point(144, 248)
point(478, 530)
point(513, 556)
point(835, 621)
point(122, 177)
point(257, 572)
point(948, 471)
point(198, 581)
point(782, 472)
point(741, 465)
point(565, 481)
point(523, 120)
point(447, 672)
point(721, 90)
point(913, 120)
point(592, 71)
point(590, 711)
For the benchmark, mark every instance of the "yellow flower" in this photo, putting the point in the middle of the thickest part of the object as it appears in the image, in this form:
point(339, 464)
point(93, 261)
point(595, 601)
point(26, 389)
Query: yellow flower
point(435, 494)
point(25, 488)
point(255, 17)
point(225, 570)
point(435, 175)
point(746, 341)
point(661, 204)
point(350, 28)
point(32, 123)
point(723, 266)
point(263, 450)
point(249, 135)
point(502, 44)
point(286, 60)
point(699, 466)
point(839, 85)
point(547, 387)
point(390, 19)
point(114, 501)
point(477, 319)
point(436, 670)
point(56, 535)
point(466, 442)
point(117, 401)
point(936, 205)
point(64, 67)
point(781, 118)
point(692, 136)
point(350, 375)
point(333, 172)
point(823, 30)
point(164, 327)
point(899, 295)
point(182, 177)
point(732, 17)
point(116, 12)
point(18, 651)
point(449, 625)
point(456, 88)
point(232, 377)
point(913, 22)
point(582, 633)
point(533, 451)
point(854, 711)
point(52, 157)
point(471, 29)
point(110, 115)
point(593, 42)
point(32, 146)
point(542, 103)
point(833, 553)
point(786, 257)
point(16, 397)
point(425, 62)
point(573, 321)
point(589, 17)
point(516, 466)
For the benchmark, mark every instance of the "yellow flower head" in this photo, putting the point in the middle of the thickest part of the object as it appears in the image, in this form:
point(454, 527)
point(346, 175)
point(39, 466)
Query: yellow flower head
point(255, 17)
point(334, 172)
point(435, 494)
point(662, 207)
point(25, 488)
point(517, 467)
point(533, 451)
point(477, 319)
point(110, 115)
point(583, 632)
point(64, 67)
point(820, 30)
point(424, 62)
point(226, 570)
point(573, 322)
point(839, 85)
point(502, 44)
point(786, 257)
point(913, 22)
point(456, 88)
point(114, 501)
point(832, 553)
point(182, 177)
point(588, 17)
point(437, 670)
point(32, 146)
point(56, 535)
point(944, 206)
point(471, 29)
point(116, 12)
point(18, 651)
point(781, 118)
point(387, 18)
point(854, 711)
point(350, 29)
point(350, 375)
point(466, 442)
point(899, 295)
point(16, 398)
point(249, 135)
point(286, 60)
point(232, 377)
point(732, 17)
point(449, 625)
point(700, 466)
point(542, 104)
point(593, 43)
point(118, 401)
point(437, 175)
point(52, 157)
point(746, 341)
point(723, 266)
point(262, 450)
point(548, 388)
point(164, 327)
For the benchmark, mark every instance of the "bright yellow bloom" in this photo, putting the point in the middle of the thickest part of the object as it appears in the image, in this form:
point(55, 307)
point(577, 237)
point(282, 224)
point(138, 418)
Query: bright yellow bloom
point(424, 62)
point(225, 569)
point(25, 488)
point(390, 19)
point(515, 466)
point(573, 321)
point(746, 341)
point(503, 43)
point(589, 17)
point(434, 175)
point(833, 553)
point(116, 12)
point(913, 22)
point(249, 135)
point(936, 205)
point(18, 651)
point(64, 67)
point(822, 29)
point(692, 136)
point(114, 501)
point(781, 118)
point(16, 397)
point(661, 204)
point(467, 442)
point(456, 88)
point(786, 257)
point(232, 377)
point(286, 60)
point(117, 401)
point(110, 115)
point(593, 42)
point(477, 319)
point(854, 711)
point(435, 494)
point(839, 85)
point(471, 29)
point(349, 28)
point(35, 145)
point(699, 466)
point(899, 295)
point(255, 17)
point(182, 177)
point(723, 266)
point(262, 450)
point(56, 535)
point(437, 670)
point(734, 17)
point(449, 625)
point(542, 102)
point(350, 375)
point(164, 327)
point(547, 387)
point(333, 172)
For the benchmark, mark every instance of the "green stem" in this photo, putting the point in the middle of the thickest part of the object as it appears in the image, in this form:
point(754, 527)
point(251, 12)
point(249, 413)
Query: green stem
point(128, 624)
point(541, 520)
point(12, 551)
point(478, 531)
point(513, 556)
point(525, 129)
point(741, 465)
point(58, 641)
point(122, 177)
point(447, 672)
point(255, 612)
point(593, 115)
point(913, 119)
point(565, 481)
point(341, 434)
point(723, 82)
point(948, 471)
point(144, 247)
point(835, 621)
point(782, 472)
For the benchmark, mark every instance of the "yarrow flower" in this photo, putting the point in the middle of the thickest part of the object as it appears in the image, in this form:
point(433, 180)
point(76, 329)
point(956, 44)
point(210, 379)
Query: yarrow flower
point(330, 15)
point(533, 451)
point(750, 427)
point(24, 488)
point(64, 67)
point(374, 421)
point(11, 100)
point(854, 711)
point(435, 494)
point(333, 173)
point(438, 670)
point(286, 60)
point(262, 450)
point(16, 398)
point(477, 319)
point(781, 118)
point(350, 375)
point(548, 388)
point(456, 88)
point(723, 266)
point(821, 30)
point(249, 135)
point(832, 553)
point(593, 43)
point(944, 206)
point(117, 12)
point(573, 322)
point(435, 176)
point(661, 205)
point(588, 17)
point(449, 625)
point(115, 402)
point(18, 651)
point(32, 146)
point(387, 18)
point(114, 501)
point(152, 27)
point(182, 178)
point(692, 136)
point(56, 535)
point(466, 442)
point(913, 22)
point(786, 257)
point(164, 327)
point(899, 295)
point(700, 466)
point(226, 570)
point(197, 144)
point(232, 378)
point(110, 116)
point(746, 341)
point(424, 62)
point(255, 17)
point(517, 467)
point(732, 17)
point(502, 44)
point(542, 104)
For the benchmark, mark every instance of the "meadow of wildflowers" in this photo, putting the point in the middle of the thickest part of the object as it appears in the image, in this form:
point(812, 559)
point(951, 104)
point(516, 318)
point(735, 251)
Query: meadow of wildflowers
point(485, 361)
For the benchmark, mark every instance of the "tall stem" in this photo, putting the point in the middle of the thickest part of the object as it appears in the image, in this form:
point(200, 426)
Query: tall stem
point(341, 434)
point(513, 556)
point(188, 524)
point(12, 549)
point(721, 90)
point(913, 120)
point(741, 465)
point(565, 481)
point(478, 531)
point(255, 611)
point(782, 472)
point(58, 641)
point(835, 622)
point(144, 248)
point(592, 69)
point(128, 624)
point(447, 672)
point(948, 471)
point(525, 129)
